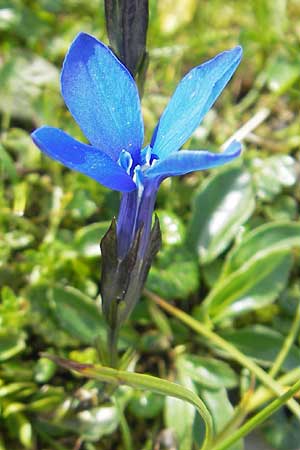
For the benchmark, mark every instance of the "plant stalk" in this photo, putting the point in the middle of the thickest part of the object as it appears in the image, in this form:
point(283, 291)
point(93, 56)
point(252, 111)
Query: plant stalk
point(238, 356)
point(112, 345)
point(144, 382)
point(288, 342)
point(258, 419)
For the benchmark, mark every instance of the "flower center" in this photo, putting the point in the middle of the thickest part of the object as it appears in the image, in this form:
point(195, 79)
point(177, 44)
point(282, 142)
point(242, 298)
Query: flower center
point(137, 172)
point(147, 158)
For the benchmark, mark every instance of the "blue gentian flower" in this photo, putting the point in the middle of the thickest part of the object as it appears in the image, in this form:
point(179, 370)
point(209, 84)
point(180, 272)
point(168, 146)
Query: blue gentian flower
point(103, 99)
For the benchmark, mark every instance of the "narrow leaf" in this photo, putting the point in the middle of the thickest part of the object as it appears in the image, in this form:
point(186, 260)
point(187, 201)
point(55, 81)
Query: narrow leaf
point(140, 381)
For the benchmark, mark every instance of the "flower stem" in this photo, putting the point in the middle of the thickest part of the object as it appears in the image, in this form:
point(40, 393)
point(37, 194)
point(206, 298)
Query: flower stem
point(112, 345)
point(289, 340)
point(258, 419)
point(197, 326)
point(125, 430)
point(143, 382)
point(262, 394)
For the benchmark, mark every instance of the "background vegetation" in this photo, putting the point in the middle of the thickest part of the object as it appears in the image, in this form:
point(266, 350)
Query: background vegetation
point(230, 236)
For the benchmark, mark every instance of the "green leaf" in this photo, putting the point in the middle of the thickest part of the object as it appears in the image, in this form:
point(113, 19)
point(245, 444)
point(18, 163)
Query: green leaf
point(255, 284)
point(140, 381)
point(46, 404)
point(7, 166)
point(18, 239)
point(13, 310)
point(49, 330)
point(211, 272)
point(282, 432)
point(270, 175)
point(10, 345)
point(20, 144)
point(180, 416)
point(262, 240)
point(208, 372)
point(13, 408)
point(81, 206)
point(146, 404)
point(13, 389)
point(44, 370)
point(175, 273)
point(173, 15)
point(87, 239)
point(221, 410)
point(284, 207)
point(22, 429)
point(255, 271)
point(172, 228)
point(289, 300)
point(281, 75)
point(97, 422)
point(8, 20)
point(262, 344)
point(224, 203)
point(270, 22)
point(24, 78)
point(76, 313)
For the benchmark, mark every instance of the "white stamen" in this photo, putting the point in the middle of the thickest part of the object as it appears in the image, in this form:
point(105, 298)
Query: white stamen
point(125, 161)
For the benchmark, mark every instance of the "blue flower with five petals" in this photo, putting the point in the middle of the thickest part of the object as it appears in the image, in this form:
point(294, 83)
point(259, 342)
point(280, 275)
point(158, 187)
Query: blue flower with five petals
point(103, 98)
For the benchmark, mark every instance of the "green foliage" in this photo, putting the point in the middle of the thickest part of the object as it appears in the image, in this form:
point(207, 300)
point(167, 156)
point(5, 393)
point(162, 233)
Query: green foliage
point(231, 237)
point(228, 201)
point(263, 344)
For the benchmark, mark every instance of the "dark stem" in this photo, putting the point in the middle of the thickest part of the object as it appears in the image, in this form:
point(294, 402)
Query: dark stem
point(112, 345)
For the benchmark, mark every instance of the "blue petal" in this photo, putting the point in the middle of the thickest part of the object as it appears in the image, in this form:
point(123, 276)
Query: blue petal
point(187, 161)
point(193, 97)
point(102, 97)
point(83, 158)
